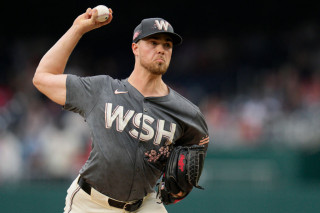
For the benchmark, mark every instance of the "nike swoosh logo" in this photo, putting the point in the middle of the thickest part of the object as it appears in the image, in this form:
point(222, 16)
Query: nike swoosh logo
point(119, 92)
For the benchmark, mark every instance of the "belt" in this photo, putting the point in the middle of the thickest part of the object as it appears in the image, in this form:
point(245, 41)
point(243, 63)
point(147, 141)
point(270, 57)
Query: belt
point(114, 203)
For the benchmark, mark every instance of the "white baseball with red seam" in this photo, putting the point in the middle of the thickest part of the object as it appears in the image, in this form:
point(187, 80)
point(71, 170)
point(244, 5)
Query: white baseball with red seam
point(103, 13)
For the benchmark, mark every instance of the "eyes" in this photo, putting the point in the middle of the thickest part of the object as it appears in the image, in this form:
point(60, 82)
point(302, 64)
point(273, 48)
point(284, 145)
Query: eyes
point(166, 44)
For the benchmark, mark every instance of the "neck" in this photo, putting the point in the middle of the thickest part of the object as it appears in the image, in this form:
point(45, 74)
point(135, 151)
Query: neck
point(149, 85)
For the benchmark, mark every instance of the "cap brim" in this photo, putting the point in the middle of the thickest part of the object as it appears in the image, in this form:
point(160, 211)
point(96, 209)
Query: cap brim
point(176, 39)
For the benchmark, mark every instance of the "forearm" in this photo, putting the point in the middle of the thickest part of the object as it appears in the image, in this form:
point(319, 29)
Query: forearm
point(55, 60)
point(49, 78)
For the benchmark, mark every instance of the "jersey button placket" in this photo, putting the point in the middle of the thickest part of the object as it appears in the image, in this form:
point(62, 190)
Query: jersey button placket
point(145, 109)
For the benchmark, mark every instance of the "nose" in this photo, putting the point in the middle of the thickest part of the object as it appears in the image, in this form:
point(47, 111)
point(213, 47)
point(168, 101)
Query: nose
point(160, 49)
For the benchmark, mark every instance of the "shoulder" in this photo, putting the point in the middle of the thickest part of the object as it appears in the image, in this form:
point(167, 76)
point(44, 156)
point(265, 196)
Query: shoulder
point(97, 80)
point(185, 104)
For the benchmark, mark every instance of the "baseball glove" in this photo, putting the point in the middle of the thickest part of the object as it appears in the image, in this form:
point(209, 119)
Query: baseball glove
point(182, 173)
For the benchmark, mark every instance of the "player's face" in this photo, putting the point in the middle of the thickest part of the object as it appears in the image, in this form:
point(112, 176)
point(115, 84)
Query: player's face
point(155, 53)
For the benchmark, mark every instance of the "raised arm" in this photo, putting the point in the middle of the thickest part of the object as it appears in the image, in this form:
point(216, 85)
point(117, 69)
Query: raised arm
point(49, 78)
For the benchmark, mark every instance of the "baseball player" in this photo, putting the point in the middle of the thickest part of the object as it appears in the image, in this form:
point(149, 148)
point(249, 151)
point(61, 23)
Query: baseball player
point(133, 122)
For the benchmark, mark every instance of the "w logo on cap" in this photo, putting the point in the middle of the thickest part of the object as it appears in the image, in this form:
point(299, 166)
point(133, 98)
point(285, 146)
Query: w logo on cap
point(151, 26)
point(162, 24)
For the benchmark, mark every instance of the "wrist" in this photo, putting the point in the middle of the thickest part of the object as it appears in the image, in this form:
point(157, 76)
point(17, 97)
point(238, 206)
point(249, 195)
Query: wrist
point(76, 31)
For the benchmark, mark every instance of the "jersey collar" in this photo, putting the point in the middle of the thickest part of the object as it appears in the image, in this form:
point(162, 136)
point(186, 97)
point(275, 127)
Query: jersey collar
point(156, 99)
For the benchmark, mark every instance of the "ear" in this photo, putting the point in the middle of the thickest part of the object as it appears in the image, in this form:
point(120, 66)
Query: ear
point(135, 48)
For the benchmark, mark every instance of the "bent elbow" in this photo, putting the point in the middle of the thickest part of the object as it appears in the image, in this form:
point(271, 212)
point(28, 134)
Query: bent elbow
point(39, 80)
point(36, 80)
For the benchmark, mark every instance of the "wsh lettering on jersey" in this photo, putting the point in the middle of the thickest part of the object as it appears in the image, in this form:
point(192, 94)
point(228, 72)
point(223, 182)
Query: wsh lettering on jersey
point(117, 114)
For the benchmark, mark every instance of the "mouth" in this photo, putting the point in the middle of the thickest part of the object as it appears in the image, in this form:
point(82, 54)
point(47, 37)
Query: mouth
point(160, 60)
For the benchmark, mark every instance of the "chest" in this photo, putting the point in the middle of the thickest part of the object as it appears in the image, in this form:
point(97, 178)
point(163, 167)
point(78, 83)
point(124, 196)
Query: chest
point(140, 120)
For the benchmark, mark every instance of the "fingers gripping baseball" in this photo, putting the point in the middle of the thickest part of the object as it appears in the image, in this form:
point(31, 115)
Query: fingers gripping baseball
point(87, 21)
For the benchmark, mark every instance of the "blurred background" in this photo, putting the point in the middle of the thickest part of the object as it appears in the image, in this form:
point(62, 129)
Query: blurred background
point(253, 68)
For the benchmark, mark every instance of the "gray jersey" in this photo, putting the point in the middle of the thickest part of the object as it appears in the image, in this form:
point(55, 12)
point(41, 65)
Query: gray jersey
point(131, 134)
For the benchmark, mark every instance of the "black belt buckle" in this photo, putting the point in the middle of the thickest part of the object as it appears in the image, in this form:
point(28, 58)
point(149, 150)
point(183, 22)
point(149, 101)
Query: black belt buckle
point(133, 207)
point(126, 206)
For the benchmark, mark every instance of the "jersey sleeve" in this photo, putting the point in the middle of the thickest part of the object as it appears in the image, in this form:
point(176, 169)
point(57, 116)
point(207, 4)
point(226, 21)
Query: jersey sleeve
point(195, 132)
point(82, 93)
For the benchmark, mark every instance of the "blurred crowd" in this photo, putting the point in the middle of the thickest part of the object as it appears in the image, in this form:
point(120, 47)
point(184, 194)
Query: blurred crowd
point(255, 90)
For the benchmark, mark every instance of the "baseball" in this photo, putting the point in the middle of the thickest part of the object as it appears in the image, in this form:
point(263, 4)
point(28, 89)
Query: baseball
point(103, 13)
